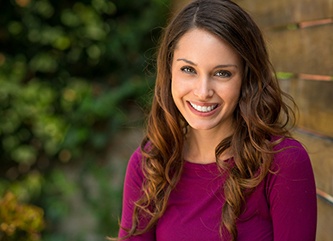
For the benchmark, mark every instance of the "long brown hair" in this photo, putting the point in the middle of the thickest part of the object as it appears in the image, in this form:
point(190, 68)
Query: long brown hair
point(261, 113)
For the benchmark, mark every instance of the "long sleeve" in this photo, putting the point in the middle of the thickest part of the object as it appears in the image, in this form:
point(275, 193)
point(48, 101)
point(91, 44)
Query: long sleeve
point(131, 193)
point(282, 208)
point(291, 194)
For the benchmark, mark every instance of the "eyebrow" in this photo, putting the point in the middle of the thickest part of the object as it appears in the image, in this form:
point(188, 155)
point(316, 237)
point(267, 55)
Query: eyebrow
point(218, 66)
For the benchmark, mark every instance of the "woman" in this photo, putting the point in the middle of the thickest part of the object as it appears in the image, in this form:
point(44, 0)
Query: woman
point(217, 162)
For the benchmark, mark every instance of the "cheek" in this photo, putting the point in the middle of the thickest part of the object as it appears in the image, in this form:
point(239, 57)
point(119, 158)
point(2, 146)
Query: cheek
point(176, 87)
point(172, 88)
point(233, 95)
point(236, 99)
point(178, 92)
point(174, 93)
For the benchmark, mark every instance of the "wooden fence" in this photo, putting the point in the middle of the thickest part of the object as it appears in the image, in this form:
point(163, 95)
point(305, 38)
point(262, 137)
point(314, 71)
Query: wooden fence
point(299, 35)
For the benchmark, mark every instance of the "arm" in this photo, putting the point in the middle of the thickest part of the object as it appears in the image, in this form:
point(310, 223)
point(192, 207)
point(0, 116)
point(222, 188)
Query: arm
point(132, 191)
point(291, 194)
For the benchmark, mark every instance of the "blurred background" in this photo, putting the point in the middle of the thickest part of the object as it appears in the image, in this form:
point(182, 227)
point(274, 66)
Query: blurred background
point(75, 77)
point(75, 83)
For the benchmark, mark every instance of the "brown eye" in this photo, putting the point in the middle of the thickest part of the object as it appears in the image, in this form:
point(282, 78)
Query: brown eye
point(188, 69)
point(223, 74)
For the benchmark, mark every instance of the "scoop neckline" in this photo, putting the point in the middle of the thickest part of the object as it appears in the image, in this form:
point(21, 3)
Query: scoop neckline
point(196, 164)
point(189, 163)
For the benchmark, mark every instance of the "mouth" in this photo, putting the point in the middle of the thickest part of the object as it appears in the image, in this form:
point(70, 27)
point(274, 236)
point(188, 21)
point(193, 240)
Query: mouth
point(205, 108)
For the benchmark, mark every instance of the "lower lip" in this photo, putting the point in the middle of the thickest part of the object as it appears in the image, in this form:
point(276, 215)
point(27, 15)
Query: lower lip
point(202, 114)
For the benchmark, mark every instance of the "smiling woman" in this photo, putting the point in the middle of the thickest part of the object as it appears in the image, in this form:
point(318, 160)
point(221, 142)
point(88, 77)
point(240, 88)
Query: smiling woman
point(206, 86)
point(217, 162)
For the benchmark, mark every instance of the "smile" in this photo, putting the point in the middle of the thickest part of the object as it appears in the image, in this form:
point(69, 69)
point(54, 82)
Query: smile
point(203, 108)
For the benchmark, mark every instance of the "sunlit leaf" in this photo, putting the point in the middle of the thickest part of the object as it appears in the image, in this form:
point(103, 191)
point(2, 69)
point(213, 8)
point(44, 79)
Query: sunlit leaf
point(24, 154)
point(43, 62)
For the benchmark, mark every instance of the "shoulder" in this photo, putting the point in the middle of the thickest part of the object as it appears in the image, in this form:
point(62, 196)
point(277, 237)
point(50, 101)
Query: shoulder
point(135, 161)
point(286, 143)
point(134, 166)
point(291, 160)
point(291, 168)
point(291, 192)
point(136, 158)
point(290, 151)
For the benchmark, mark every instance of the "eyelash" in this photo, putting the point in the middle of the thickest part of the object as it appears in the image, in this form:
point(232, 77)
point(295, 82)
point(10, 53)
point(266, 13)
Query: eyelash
point(221, 73)
point(187, 69)
point(224, 73)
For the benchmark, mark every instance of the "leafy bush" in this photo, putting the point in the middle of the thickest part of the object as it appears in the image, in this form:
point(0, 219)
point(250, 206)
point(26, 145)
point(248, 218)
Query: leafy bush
point(19, 221)
point(70, 74)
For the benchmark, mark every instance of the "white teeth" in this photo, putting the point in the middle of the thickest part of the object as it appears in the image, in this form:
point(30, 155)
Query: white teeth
point(203, 108)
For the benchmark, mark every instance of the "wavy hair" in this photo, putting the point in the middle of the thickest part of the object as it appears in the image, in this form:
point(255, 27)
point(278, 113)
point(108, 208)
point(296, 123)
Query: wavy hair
point(261, 113)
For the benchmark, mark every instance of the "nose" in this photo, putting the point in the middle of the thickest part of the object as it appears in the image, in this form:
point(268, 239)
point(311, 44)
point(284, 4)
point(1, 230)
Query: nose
point(203, 89)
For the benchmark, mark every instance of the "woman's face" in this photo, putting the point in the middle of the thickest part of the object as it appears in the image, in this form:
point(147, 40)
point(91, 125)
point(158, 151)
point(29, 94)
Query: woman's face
point(206, 80)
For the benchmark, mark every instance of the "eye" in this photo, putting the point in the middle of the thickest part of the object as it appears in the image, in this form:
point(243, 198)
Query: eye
point(223, 74)
point(188, 69)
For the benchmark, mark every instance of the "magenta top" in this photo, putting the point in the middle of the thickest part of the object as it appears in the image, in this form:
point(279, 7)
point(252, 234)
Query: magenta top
point(283, 206)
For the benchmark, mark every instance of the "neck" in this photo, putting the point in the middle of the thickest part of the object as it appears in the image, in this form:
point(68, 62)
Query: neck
point(200, 146)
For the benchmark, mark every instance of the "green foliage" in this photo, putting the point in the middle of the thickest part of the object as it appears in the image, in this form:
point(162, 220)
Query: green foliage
point(70, 73)
point(19, 221)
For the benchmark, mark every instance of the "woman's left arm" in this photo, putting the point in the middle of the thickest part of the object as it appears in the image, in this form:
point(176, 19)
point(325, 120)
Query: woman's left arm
point(292, 197)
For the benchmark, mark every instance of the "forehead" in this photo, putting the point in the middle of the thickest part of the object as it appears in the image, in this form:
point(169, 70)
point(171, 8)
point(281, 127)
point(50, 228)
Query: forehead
point(197, 44)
